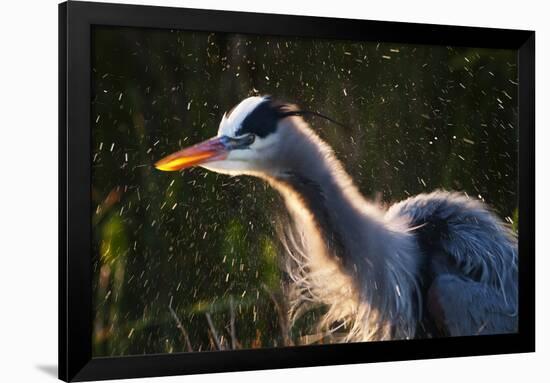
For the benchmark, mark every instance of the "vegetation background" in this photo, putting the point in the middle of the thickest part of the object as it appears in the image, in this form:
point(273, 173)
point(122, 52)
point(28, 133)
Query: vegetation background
point(188, 261)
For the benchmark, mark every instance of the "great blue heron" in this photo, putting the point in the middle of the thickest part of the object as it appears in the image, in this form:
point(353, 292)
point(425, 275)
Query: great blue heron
point(437, 264)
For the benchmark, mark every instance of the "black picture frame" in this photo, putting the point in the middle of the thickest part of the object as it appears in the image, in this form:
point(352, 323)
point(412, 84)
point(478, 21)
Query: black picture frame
point(75, 275)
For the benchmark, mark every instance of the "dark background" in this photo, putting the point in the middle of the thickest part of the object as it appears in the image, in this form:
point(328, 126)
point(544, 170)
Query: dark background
point(189, 260)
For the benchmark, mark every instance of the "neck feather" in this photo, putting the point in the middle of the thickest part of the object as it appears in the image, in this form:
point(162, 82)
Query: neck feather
point(315, 186)
point(345, 254)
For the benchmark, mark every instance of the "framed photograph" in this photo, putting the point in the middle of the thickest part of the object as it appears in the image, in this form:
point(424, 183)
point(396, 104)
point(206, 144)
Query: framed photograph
point(246, 191)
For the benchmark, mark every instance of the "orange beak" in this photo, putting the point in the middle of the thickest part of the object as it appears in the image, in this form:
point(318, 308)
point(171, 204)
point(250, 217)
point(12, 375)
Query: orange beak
point(214, 149)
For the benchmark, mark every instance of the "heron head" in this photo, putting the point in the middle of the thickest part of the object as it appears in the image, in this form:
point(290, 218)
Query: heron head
point(248, 141)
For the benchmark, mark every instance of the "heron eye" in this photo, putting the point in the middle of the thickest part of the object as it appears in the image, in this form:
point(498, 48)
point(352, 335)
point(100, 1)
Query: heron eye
point(243, 142)
point(250, 139)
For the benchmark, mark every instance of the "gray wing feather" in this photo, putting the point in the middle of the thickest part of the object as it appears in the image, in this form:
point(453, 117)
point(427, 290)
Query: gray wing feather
point(471, 262)
point(462, 307)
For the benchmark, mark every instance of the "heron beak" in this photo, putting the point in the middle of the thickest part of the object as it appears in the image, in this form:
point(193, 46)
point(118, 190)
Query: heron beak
point(214, 149)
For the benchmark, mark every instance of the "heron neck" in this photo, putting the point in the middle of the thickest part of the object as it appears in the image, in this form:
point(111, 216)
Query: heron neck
point(316, 182)
point(345, 241)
